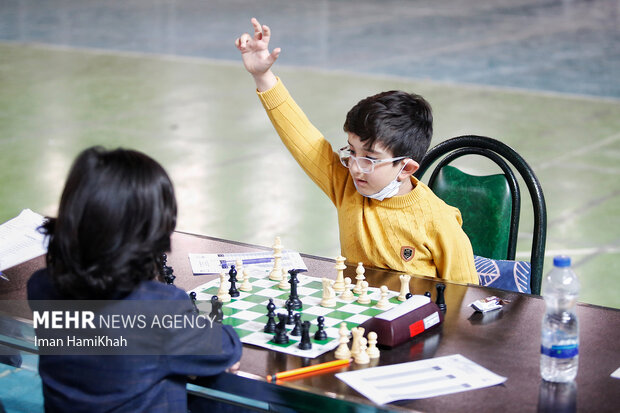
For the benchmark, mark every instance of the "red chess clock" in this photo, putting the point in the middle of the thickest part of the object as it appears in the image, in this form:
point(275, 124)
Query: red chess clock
point(405, 321)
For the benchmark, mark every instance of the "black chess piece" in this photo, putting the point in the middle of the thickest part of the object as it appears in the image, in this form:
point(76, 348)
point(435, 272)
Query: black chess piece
point(166, 271)
point(440, 301)
point(305, 343)
point(290, 319)
point(294, 296)
point(297, 329)
point(216, 314)
point(281, 337)
point(233, 282)
point(192, 295)
point(270, 327)
point(408, 296)
point(320, 333)
point(428, 294)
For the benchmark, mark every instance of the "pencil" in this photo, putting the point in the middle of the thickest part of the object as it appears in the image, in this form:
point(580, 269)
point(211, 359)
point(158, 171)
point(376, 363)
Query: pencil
point(309, 369)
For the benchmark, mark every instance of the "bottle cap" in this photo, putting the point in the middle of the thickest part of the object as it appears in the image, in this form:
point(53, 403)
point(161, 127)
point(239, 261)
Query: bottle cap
point(561, 261)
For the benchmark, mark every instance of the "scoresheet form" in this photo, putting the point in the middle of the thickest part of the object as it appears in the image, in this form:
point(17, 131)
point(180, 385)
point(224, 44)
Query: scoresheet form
point(263, 260)
point(420, 379)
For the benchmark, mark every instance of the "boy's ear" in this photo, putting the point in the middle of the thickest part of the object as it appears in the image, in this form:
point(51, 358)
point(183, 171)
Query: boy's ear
point(410, 167)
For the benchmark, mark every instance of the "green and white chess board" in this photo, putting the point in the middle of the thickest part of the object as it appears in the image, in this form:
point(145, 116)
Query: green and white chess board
point(247, 314)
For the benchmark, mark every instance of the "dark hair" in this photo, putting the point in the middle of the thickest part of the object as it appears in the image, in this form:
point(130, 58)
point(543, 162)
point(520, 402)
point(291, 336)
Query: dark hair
point(115, 218)
point(402, 122)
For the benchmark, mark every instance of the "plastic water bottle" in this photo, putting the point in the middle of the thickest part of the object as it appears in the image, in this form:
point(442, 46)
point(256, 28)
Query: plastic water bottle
point(559, 351)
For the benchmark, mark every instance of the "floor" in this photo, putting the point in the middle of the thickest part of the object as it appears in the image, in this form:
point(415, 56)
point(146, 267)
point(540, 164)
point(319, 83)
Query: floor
point(164, 77)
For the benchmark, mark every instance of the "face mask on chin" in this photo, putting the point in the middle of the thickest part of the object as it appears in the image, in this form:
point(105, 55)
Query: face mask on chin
point(388, 191)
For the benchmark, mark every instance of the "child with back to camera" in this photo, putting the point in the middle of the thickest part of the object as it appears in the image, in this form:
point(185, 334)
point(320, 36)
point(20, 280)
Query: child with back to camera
point(386, 217)
point(115, 218)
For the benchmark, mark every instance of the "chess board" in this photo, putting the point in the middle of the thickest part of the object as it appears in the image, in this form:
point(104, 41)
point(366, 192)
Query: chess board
point(247, 314)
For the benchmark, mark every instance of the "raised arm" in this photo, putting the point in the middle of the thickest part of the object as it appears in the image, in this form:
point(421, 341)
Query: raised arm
point(256, 56)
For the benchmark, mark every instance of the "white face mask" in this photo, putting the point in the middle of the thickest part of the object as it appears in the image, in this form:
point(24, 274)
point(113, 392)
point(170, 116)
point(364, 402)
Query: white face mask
point(389, 190)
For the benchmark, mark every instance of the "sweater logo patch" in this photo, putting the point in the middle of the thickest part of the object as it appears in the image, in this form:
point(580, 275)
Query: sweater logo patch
point(407, 253)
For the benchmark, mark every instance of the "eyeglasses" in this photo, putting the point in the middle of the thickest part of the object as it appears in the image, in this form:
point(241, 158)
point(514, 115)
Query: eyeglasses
point(366, 165)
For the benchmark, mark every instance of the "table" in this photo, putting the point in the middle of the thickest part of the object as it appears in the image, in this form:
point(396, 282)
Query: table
point(506, 342)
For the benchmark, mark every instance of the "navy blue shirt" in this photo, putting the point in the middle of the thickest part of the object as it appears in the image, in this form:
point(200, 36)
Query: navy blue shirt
point(126, 383)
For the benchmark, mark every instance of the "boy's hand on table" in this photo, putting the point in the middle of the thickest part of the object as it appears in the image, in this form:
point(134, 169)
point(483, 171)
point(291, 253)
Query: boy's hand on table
point(256, 56)
point(234, 368)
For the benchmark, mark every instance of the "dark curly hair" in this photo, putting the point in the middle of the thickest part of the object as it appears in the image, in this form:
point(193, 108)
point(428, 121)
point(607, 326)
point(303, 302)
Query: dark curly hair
point(402, 122)
point(116, 215)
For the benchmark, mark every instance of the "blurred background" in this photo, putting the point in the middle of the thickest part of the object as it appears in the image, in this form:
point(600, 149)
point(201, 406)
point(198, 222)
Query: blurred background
point(164, 77)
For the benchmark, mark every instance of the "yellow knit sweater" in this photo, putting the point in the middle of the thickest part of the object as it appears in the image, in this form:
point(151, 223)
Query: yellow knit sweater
point(416, 233)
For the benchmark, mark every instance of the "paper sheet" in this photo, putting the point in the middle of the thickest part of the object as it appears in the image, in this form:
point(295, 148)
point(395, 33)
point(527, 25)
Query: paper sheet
point(19, 239)
point(420, 379)
point(215, 263)
point(616, 374)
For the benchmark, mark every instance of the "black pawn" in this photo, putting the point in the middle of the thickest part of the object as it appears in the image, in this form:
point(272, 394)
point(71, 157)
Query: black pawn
point(408, 296)
point(428, 294)
point(290, 319)
point(281, 337)
point(305, 343)
point(320, 333)
point(297, 329)
point(441, 302)
point(233, 282)
point(294, 296)
point(192, 295)
point(270, 327)
point(216, 314)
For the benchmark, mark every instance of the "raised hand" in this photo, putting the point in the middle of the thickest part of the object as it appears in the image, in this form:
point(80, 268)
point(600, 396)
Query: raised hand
point(256, 56)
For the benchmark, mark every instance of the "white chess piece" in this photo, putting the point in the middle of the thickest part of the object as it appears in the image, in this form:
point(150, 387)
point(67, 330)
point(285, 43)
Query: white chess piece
point(343, 352)
point(340, 267)
point(347, 294)
point(358, 333)
point(223, 294)
point(404, 286)
point(245, 285)
point(364, 298)
point(362, 356)
point(284, 284)
point(383, 301)
point(276, 273)
point(239, 267)
point(329, 296)
point(373, 351)
point(360, 270)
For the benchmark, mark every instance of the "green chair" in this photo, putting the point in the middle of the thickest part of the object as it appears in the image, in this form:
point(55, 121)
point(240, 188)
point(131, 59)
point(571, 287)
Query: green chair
point(490, 205)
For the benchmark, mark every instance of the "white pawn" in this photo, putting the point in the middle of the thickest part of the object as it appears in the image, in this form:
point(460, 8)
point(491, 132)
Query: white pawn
point(364, 298)
point(383, 301)
point(358, 333)
point(222, 294)
point(343, 352)
point(360, 270)
point(362, 356)
point(347, 294)
point(284, 284)
point(340, 267)
point(373, 351)
point(329, 296)
point(245, 285)
point(404, 287)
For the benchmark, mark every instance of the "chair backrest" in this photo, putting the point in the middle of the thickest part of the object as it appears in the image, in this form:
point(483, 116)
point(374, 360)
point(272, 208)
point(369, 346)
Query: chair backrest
point(490, 205)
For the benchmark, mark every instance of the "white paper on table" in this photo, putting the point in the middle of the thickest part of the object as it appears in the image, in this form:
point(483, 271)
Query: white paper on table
point(420, 379)
point(20, 240)
point(216, 263)
point(616, 374)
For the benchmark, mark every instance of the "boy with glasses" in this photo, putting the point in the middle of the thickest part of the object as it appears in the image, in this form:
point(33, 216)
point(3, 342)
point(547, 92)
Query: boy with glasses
point(386, 217)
